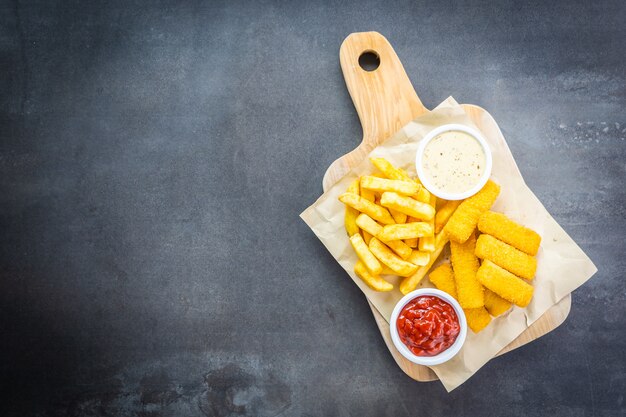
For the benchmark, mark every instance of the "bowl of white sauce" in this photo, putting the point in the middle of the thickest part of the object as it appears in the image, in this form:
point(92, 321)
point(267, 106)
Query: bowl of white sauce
point(453, 161)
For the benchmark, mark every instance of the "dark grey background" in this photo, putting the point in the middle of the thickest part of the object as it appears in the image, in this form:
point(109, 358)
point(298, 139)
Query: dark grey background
point(154, 159)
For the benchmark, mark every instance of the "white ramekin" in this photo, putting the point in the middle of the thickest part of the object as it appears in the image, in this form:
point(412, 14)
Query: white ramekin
point(442, 356)
point(446, 128)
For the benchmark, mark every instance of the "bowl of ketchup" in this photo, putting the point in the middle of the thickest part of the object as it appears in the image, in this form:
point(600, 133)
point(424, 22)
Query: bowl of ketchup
point(428, 326)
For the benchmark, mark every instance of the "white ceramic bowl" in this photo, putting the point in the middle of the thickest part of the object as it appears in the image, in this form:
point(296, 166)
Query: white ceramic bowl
point(442, 356)
point(446, 128)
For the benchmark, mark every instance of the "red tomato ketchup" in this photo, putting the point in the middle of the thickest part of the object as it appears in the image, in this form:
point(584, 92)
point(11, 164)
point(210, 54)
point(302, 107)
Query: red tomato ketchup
point(428, 325)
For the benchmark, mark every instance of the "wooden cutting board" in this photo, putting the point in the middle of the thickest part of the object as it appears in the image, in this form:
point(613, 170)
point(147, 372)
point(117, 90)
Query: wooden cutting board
point(385, 101)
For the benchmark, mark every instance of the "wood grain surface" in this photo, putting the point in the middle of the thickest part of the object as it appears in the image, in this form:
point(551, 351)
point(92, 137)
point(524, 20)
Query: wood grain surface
point(385, 101)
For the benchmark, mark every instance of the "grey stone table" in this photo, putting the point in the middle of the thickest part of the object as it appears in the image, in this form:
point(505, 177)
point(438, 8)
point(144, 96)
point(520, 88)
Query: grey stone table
point(154, 158)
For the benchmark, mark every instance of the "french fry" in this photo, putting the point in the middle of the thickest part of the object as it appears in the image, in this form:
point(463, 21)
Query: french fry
point(495, 304)
point(477, 318)
point(365, 255)
point(387, 271)
point(366, 237)
point(383, 184)
point(369, 195)
point(443, 214)
point(443, 278)
point(375, 211)
point(398, 217)
point(411, 242)
point(373, 281)
point(405, 231)
point(370, 226)
point(393, 261)
point(407, 205)
point(506, 256)
point(409, 283)
point(427, 243)
point(465, 217)
point(394, 173)
point(423, 196)
point(419, 258)
point(389, 170)
point(505, 284)
point(351, 214)
point(465, 264)
point(506, 230)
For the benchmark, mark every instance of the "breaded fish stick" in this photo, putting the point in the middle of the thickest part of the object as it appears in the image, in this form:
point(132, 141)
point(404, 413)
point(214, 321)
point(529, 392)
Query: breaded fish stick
point(506, 230)
point(373, 281)
point(477, 318)
point(444, 213)
point(410, 283)
point(465, 264)
point(506, 256)
point(505, 284)
point(495, 304)
point(443, 278)
point(375, 211)
point(464, 220)
point(351, 213)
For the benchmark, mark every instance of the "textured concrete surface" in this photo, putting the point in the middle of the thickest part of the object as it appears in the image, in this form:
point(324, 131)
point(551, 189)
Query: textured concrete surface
point(154, 158)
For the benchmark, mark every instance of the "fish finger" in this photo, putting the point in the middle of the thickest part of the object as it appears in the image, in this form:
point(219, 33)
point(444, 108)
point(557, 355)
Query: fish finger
point(465, 217)
point(505, 284)
point(506, 230)
point(465, 264)
point(506, 256)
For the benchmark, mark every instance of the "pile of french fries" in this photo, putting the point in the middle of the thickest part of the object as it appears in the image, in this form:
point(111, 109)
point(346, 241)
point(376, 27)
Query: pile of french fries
point(397, 227)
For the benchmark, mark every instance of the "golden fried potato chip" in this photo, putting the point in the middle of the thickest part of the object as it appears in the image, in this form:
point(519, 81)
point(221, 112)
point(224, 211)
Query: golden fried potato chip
point(373, 281)
point(375, 211)
point(410, 283)
point(351, 214)
point(397, 216)
point(405, 231)
point(387, 257)
point(365, 255)
point(407, 205)
point(444, 213)
point(389, 170)
point(419, 258)
point(370, 226)
point(383, 184)
point(427, 243)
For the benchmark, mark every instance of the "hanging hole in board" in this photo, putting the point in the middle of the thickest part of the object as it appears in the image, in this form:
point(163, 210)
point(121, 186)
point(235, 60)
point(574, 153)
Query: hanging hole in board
point(369, 61)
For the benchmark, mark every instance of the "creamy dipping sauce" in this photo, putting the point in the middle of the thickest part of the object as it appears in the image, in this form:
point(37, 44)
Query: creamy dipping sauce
point(454, 162)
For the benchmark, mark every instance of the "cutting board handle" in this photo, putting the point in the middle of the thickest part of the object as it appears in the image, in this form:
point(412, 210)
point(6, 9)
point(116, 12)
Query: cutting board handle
point(384, 98)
